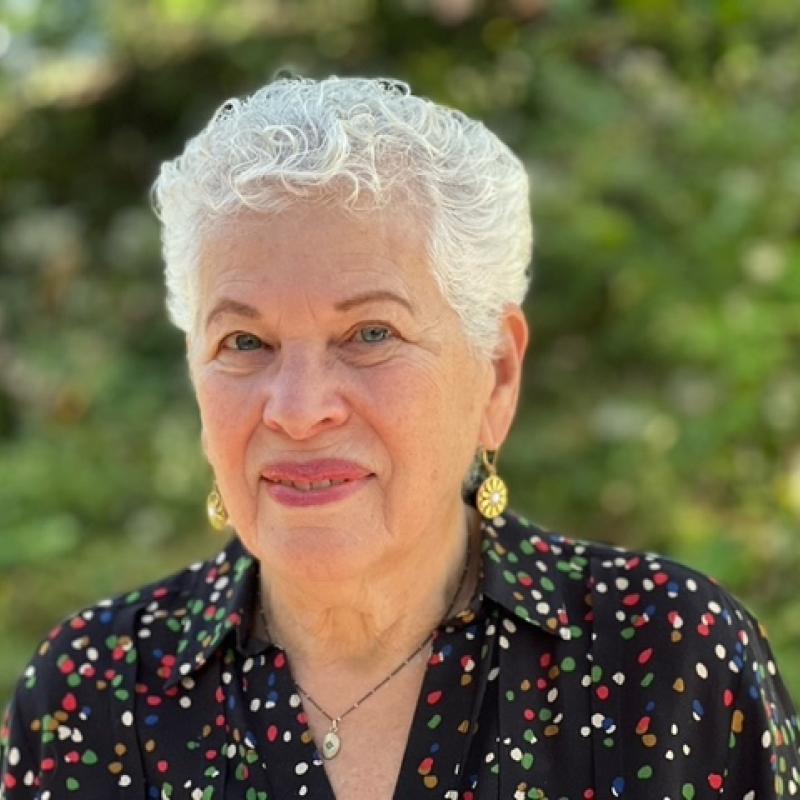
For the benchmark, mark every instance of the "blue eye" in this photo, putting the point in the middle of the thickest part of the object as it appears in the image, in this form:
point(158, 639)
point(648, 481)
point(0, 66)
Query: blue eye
point(246, 341)
point(372, 334)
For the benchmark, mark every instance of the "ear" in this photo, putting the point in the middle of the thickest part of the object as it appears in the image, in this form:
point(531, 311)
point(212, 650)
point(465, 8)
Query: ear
point(507, 376)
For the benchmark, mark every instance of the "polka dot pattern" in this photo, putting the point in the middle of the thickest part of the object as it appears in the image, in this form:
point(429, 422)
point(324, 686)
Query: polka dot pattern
point(578, 671)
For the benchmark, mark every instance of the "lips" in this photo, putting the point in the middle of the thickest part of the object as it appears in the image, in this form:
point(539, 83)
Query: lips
point(314, 483)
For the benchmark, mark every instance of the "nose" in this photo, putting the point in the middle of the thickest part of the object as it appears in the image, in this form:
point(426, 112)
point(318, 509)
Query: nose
point(303, 395)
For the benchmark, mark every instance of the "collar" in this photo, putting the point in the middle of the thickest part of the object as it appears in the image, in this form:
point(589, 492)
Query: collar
point(535, 575)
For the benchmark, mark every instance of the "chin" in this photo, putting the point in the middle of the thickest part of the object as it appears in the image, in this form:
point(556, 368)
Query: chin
point(314, 553)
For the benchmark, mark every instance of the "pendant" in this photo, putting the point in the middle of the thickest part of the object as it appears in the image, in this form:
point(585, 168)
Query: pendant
point(331, 744)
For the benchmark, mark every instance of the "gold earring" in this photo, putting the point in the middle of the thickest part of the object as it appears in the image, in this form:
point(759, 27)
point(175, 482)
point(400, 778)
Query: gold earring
point(217, 513)
point(492, 497)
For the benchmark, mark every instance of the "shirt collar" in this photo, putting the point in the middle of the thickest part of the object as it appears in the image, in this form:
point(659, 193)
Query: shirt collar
point(531, 573)
point(536, 575)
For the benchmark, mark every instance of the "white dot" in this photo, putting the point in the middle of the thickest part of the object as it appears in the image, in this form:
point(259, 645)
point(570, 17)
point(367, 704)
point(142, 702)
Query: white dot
point(301, 768)
point(701, 669)
point(127, 719)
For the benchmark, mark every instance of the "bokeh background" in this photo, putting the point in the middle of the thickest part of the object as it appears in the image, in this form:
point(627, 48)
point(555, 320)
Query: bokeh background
point(662, 391)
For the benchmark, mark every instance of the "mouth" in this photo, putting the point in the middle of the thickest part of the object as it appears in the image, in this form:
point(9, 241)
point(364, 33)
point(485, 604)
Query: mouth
point(308, 486)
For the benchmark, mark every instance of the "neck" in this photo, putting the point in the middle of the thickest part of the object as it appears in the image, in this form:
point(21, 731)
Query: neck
point(369, 623)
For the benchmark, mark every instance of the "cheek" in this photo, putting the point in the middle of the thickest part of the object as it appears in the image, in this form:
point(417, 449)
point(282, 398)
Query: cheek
point(228, 410)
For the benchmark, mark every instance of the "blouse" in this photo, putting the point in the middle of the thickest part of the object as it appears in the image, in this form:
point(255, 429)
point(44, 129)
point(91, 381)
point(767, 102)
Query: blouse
point(578, 671)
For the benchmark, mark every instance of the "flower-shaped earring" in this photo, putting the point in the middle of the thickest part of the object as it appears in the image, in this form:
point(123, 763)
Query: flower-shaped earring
point(492, 497)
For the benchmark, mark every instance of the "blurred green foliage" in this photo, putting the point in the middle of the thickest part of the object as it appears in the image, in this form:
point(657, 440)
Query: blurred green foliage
point(662, 392)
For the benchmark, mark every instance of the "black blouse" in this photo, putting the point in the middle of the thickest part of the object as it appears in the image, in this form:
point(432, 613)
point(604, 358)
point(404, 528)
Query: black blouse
point(577, 671)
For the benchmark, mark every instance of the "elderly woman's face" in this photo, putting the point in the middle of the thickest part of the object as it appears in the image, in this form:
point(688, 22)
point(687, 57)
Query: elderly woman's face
point(325, 352)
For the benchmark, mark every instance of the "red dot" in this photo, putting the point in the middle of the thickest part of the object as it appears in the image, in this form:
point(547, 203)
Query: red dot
point(727, 698)
point(630, 599)
point(645, 655)
point(434, 697)
point(69, 703)
point(715, 781)
point(588, 794)
point(603, 692)
point(272, 733)
point(426, 765)
point(529, 714)
point(162, 766)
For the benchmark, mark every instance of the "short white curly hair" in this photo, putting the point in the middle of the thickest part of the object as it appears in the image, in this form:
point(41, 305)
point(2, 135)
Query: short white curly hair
point(360, 143)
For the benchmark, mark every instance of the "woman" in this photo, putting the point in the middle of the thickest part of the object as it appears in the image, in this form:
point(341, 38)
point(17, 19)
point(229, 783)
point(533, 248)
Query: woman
point(348, 263)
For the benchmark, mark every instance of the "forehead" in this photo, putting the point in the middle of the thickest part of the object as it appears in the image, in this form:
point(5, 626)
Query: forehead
point(317, 249)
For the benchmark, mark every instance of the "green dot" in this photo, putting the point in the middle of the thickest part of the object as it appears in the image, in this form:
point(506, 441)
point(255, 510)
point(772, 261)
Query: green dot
point(597, 673)
point(526, 547)
point(521, 611)
point(434, 722)
point(687, 792)
point(568, 664)
point(510, 695)
point(73, 784)
point(89, 757)
point(241, 772)
point(608, 742)
point(645, 772)
point(627, 633)
point(648, 679)
point(527, 761)
point(513, 558)
point(547, 584)
point(529, 736)
point(509, 577)
point(545, 715)
point(122, 694)
point(73, 680)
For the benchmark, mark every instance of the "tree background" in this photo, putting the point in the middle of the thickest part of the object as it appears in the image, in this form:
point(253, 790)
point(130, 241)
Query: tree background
point(661, 406)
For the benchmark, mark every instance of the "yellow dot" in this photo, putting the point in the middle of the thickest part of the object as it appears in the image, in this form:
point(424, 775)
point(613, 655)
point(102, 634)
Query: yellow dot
point(464, 727)
point(430, 781)
point(551, 730)
point(115, 767)
point(120, 749)
point(737, 722)
point(150, 745)
point(679, 685)
point(649, 740)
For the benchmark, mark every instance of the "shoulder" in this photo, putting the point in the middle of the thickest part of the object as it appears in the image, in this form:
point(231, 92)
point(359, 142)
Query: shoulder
point(642, 608)
point(94, 652)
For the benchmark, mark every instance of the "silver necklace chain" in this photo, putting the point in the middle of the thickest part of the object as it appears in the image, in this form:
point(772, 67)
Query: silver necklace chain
point(332, 742)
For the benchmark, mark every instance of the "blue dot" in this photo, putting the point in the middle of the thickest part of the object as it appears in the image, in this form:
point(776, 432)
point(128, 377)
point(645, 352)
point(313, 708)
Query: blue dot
point(650, 706)
point(106, 616)
point(651, 612)
point(151, 720)
point(434, 747)
point(271, 680)
point(618, 787)
point(86, 711)
point(672, 587)
point(447, 650)
point(697, 707)
point(273, 696)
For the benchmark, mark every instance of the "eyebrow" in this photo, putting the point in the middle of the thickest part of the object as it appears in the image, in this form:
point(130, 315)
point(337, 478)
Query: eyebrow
point(229, 306)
